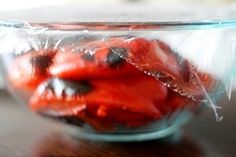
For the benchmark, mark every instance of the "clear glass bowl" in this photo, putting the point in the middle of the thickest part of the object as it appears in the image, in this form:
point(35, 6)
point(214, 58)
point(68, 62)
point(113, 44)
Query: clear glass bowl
point(118, 81)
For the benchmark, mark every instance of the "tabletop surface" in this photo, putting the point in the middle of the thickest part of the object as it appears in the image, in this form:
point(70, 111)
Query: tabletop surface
point(24, 134)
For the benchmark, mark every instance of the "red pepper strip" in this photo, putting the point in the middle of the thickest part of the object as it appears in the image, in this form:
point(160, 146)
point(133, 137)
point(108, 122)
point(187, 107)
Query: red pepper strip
point(132, 95)
point(114, 116)
point(30, 69)
point(153, 56)
point(72, 65)
point(136, 94)
point(140, 52)
point(159, 60)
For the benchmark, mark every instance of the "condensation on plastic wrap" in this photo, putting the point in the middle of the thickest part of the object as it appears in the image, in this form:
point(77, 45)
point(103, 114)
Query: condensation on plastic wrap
point(115, 67)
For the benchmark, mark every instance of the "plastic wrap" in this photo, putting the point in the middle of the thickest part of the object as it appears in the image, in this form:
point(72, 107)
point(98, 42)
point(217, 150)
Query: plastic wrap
point(119, 77)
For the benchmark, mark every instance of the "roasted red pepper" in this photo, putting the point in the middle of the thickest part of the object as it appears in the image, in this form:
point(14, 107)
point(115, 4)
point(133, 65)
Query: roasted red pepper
point(102, 98)
point(85, 65)
point(116, 81)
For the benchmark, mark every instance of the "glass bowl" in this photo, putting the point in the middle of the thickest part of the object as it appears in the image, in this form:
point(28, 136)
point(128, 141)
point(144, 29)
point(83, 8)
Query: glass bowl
point(118, 81)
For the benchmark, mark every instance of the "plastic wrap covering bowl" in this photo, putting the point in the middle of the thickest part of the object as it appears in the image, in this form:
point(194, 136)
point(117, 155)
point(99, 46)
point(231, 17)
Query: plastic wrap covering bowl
point(118, 81)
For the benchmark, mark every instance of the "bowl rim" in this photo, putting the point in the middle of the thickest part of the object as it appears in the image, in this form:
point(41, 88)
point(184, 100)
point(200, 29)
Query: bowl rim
point(127, 26)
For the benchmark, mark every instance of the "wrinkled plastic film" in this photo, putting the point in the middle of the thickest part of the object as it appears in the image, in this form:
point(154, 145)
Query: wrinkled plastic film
point(195, 64)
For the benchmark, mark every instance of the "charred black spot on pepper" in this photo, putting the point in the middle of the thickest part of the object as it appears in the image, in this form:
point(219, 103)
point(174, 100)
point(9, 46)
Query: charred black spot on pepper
point(61, 87)
point(88, 57)
point(116, 56)
point(73, 87)
point(41, 62)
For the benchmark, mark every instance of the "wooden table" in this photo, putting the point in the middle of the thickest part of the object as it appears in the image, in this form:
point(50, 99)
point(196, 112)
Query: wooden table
point(24, 134)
